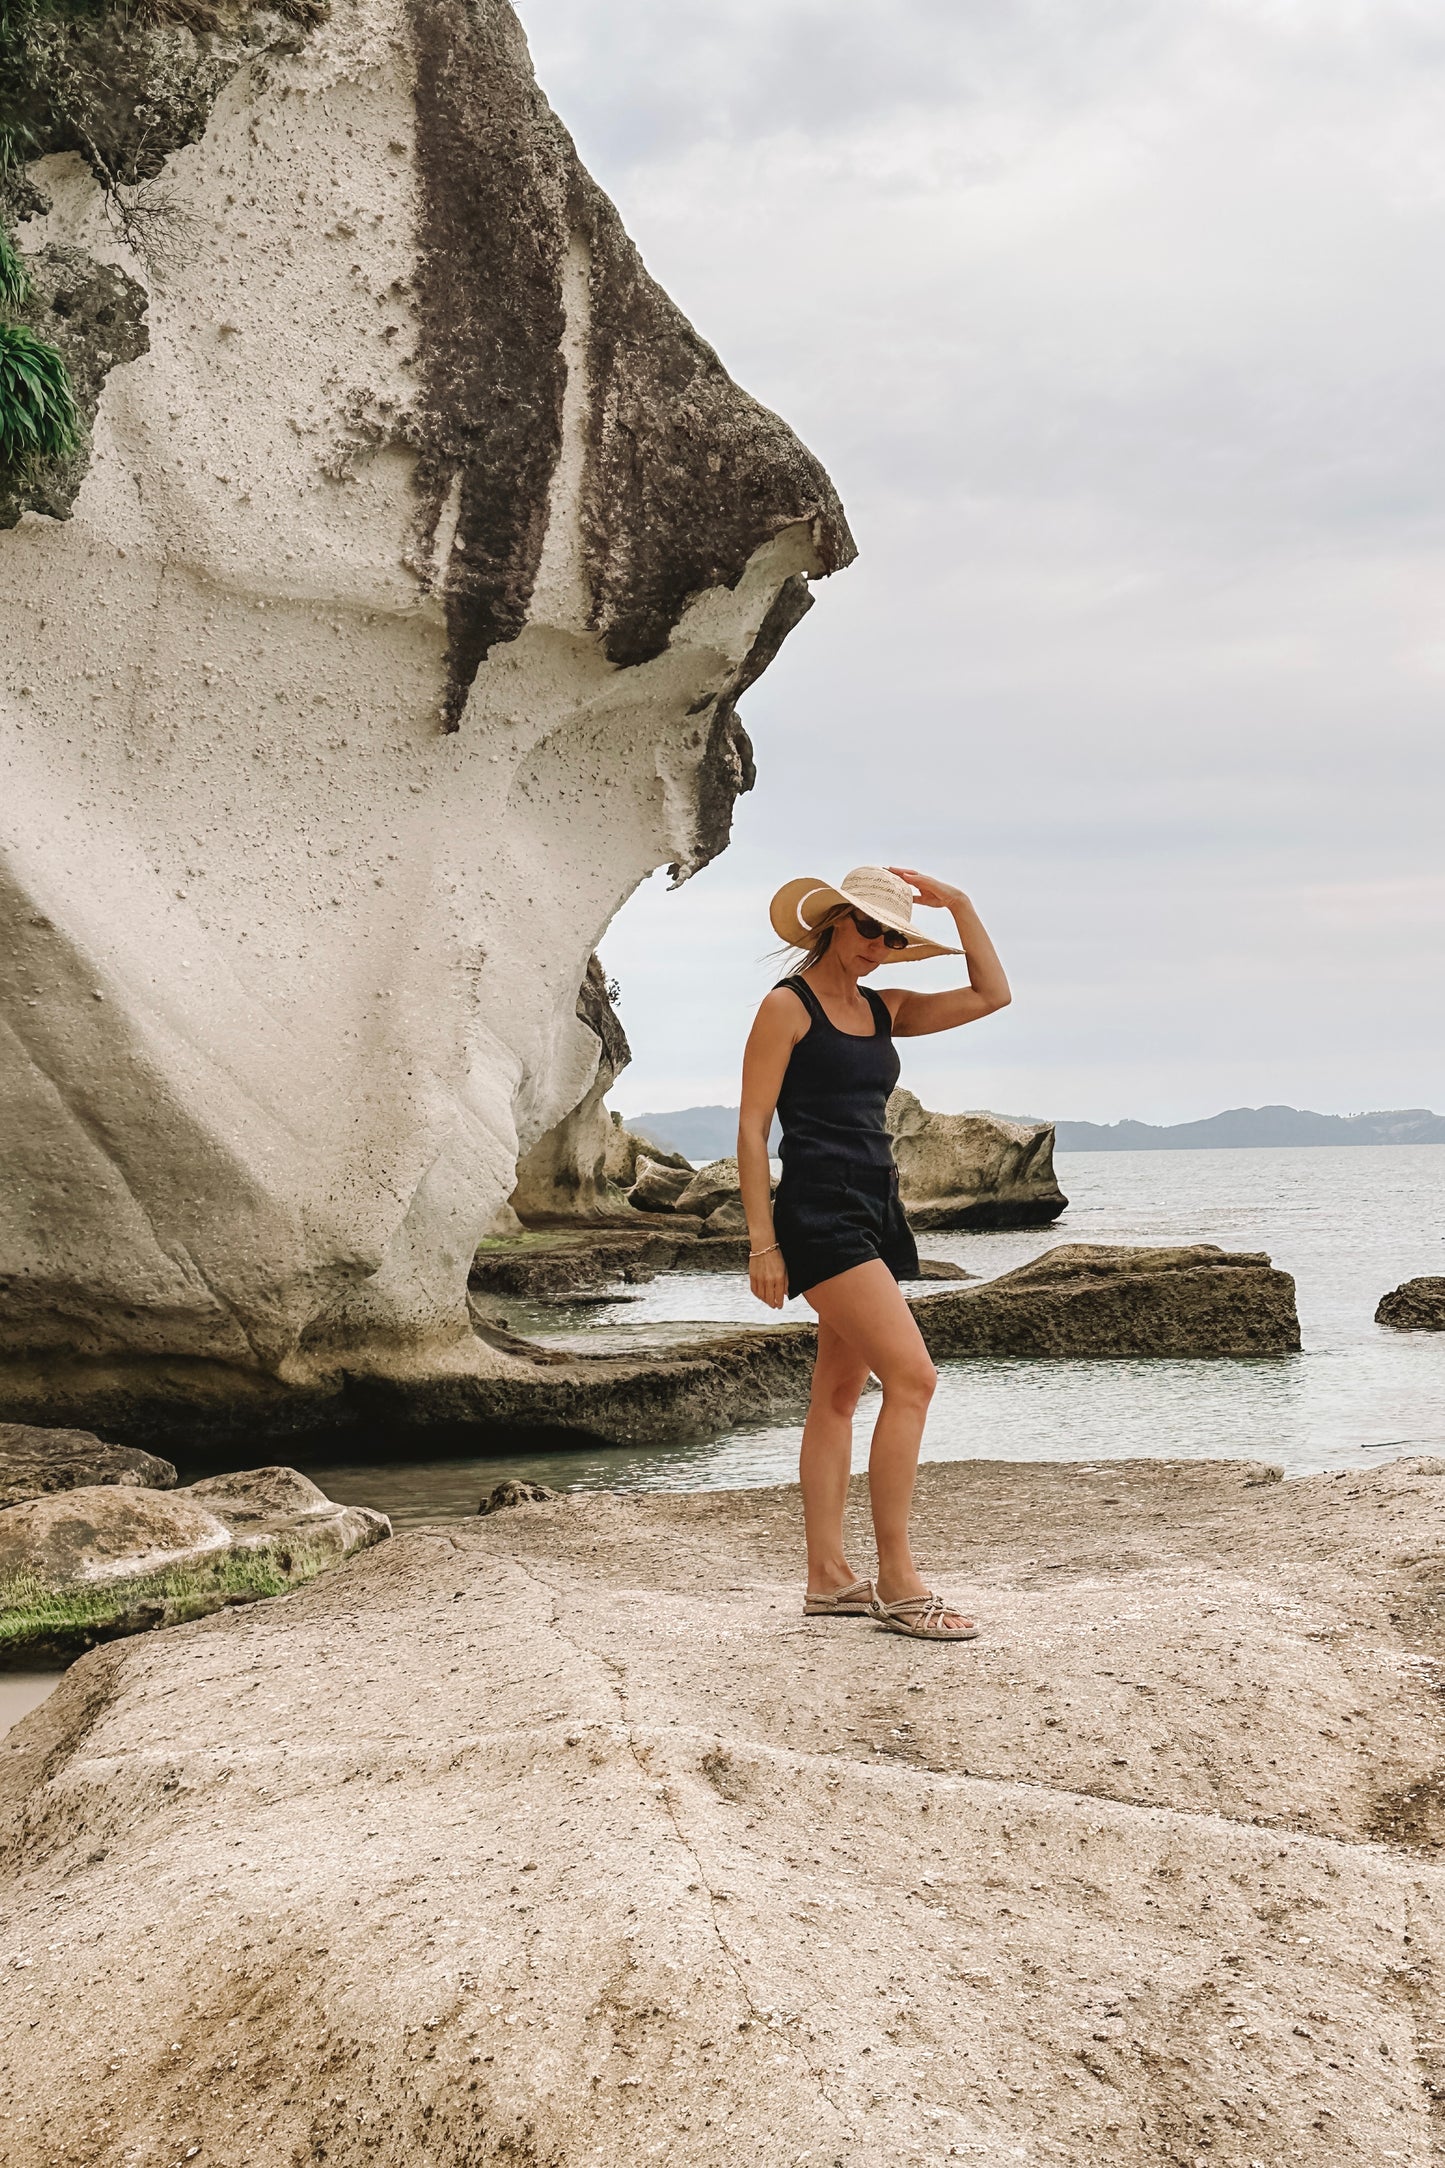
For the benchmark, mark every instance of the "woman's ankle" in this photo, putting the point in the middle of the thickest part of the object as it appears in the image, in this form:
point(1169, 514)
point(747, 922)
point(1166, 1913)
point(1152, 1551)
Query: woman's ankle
point(898, 1579)
point(827, 1575)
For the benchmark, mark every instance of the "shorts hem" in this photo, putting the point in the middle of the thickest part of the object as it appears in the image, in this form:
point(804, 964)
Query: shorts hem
point(816, 1271)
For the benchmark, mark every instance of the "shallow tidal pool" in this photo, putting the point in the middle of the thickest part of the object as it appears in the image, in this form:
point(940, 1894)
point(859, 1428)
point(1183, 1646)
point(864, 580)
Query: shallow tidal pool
point(1349, 1223)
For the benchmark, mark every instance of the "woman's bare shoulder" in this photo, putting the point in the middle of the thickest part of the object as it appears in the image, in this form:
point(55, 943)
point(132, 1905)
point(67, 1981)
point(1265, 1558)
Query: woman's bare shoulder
point(783, 1008)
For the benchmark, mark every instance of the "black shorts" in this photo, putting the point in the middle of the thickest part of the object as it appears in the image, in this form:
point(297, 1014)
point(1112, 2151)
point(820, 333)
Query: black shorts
point(837, 1214)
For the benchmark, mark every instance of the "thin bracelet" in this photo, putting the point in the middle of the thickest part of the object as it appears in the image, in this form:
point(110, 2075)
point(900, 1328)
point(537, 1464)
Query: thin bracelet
point(764, 1253)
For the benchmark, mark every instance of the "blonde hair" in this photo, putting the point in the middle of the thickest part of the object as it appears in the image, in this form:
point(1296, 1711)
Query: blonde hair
point(821, 935)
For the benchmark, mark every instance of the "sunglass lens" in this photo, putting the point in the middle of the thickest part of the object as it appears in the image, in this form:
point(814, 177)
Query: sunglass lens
point(871, 929)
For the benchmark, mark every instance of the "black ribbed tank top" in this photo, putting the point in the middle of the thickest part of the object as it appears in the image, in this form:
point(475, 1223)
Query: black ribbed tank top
point(836, 1087)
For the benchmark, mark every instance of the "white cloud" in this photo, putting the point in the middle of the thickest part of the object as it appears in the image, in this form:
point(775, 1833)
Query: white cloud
point(1121, 330)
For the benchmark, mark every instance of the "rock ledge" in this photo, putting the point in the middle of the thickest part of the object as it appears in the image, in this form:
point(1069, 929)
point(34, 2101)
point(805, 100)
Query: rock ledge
point(561, 1837)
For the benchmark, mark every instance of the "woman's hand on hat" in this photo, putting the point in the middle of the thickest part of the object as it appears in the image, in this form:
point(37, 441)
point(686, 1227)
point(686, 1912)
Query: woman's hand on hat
point(933, 895)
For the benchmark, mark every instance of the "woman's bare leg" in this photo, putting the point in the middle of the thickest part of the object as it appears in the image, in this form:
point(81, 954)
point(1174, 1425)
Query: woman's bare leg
point(864, 1309)
point(839, 1376)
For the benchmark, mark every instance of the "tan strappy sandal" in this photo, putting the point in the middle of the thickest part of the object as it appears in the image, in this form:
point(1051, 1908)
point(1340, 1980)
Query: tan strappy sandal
point(856, 1601)
point(921, 1617)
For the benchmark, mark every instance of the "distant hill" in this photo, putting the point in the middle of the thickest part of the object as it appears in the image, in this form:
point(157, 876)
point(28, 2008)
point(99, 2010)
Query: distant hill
point(703, 1133)
point(699, 1133)
point(1251, 1128)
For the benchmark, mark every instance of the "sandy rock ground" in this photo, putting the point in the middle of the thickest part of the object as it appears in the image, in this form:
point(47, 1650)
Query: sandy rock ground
point(561, 1837)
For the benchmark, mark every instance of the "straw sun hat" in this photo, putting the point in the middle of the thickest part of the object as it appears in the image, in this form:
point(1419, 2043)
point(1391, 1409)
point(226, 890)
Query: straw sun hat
point(873, 890)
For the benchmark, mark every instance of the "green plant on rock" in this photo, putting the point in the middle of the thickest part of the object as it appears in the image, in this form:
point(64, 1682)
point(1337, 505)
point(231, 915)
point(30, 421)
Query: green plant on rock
point(14, 278)
point(38, 419)
point(39, 1622)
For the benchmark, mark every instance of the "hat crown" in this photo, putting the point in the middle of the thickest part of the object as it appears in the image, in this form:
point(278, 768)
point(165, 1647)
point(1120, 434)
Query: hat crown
point(875, 885)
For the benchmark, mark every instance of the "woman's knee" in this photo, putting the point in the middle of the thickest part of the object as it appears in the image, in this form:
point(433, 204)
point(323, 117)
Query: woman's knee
point(911, 1380)
point(840, 1391)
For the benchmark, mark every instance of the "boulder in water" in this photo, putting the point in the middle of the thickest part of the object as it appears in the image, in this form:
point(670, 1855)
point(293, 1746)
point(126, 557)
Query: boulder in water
point(1087, 1299)
point(711, 1186)
point(657, 1187)
point(515, 1492)
point(100, 1562)
point(1414, 1306)
point(34, 1460)
point(973, 1170)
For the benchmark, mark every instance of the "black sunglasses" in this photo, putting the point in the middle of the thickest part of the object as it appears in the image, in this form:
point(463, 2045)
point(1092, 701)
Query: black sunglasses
point(870, 930)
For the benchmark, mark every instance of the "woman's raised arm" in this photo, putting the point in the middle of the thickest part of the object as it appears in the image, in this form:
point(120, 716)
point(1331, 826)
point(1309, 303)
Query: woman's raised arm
point(914, 1015)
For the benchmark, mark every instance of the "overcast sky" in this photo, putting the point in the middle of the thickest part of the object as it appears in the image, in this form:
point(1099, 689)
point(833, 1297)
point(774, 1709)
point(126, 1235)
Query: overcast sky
point(1121, 328)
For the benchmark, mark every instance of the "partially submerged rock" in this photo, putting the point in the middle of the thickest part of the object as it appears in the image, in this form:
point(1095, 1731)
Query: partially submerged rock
point(34, 1460)
point(503, 1496)
point(679, 1391)
point(93, 1564)
point(973, 1170)
point(1087, 1299)
point(105, 1534)
point(1415, 1306)
point(1075, 1301)
point(561, 1836)
point(1079, 1300)
point(561, 1262)
point(657, 1187)
point(710, 1188)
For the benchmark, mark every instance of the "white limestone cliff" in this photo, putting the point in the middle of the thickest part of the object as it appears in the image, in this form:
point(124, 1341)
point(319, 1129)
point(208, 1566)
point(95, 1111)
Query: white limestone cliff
point(384, 639)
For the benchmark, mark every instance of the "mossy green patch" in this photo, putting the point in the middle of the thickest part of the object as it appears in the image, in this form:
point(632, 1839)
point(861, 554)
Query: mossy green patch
point(38, 419)
point(38, 1622)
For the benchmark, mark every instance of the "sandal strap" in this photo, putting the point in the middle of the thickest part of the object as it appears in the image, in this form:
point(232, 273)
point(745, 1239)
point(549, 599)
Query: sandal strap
point(929, 1610)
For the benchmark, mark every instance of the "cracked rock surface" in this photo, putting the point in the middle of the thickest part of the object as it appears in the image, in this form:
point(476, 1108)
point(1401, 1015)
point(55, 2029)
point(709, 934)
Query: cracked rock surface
point(564, 1838)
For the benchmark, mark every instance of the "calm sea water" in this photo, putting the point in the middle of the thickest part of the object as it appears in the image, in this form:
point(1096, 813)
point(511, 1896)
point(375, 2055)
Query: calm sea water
point(1347, 1223)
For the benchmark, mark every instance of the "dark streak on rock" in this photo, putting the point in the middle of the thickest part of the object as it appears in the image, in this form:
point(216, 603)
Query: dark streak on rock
point(595, 1010)
point(688, 475)
point(726, 769)
point(685, 475)
point(491, 160)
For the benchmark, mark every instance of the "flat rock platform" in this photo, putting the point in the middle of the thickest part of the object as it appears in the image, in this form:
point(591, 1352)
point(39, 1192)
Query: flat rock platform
point(562, 1837)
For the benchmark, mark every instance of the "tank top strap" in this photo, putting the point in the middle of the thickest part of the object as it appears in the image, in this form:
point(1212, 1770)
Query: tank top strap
point(882, 1016)
point(797, 984)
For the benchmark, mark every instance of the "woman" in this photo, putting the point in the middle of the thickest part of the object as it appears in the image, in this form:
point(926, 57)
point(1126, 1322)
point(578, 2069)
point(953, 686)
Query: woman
point(821, 1054)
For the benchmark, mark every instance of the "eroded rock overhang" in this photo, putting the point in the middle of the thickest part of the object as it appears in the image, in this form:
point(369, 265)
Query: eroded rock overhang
point(390, 635)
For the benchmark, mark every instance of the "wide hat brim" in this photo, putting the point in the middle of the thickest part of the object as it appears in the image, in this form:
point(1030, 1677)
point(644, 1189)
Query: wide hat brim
point(798, 906)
